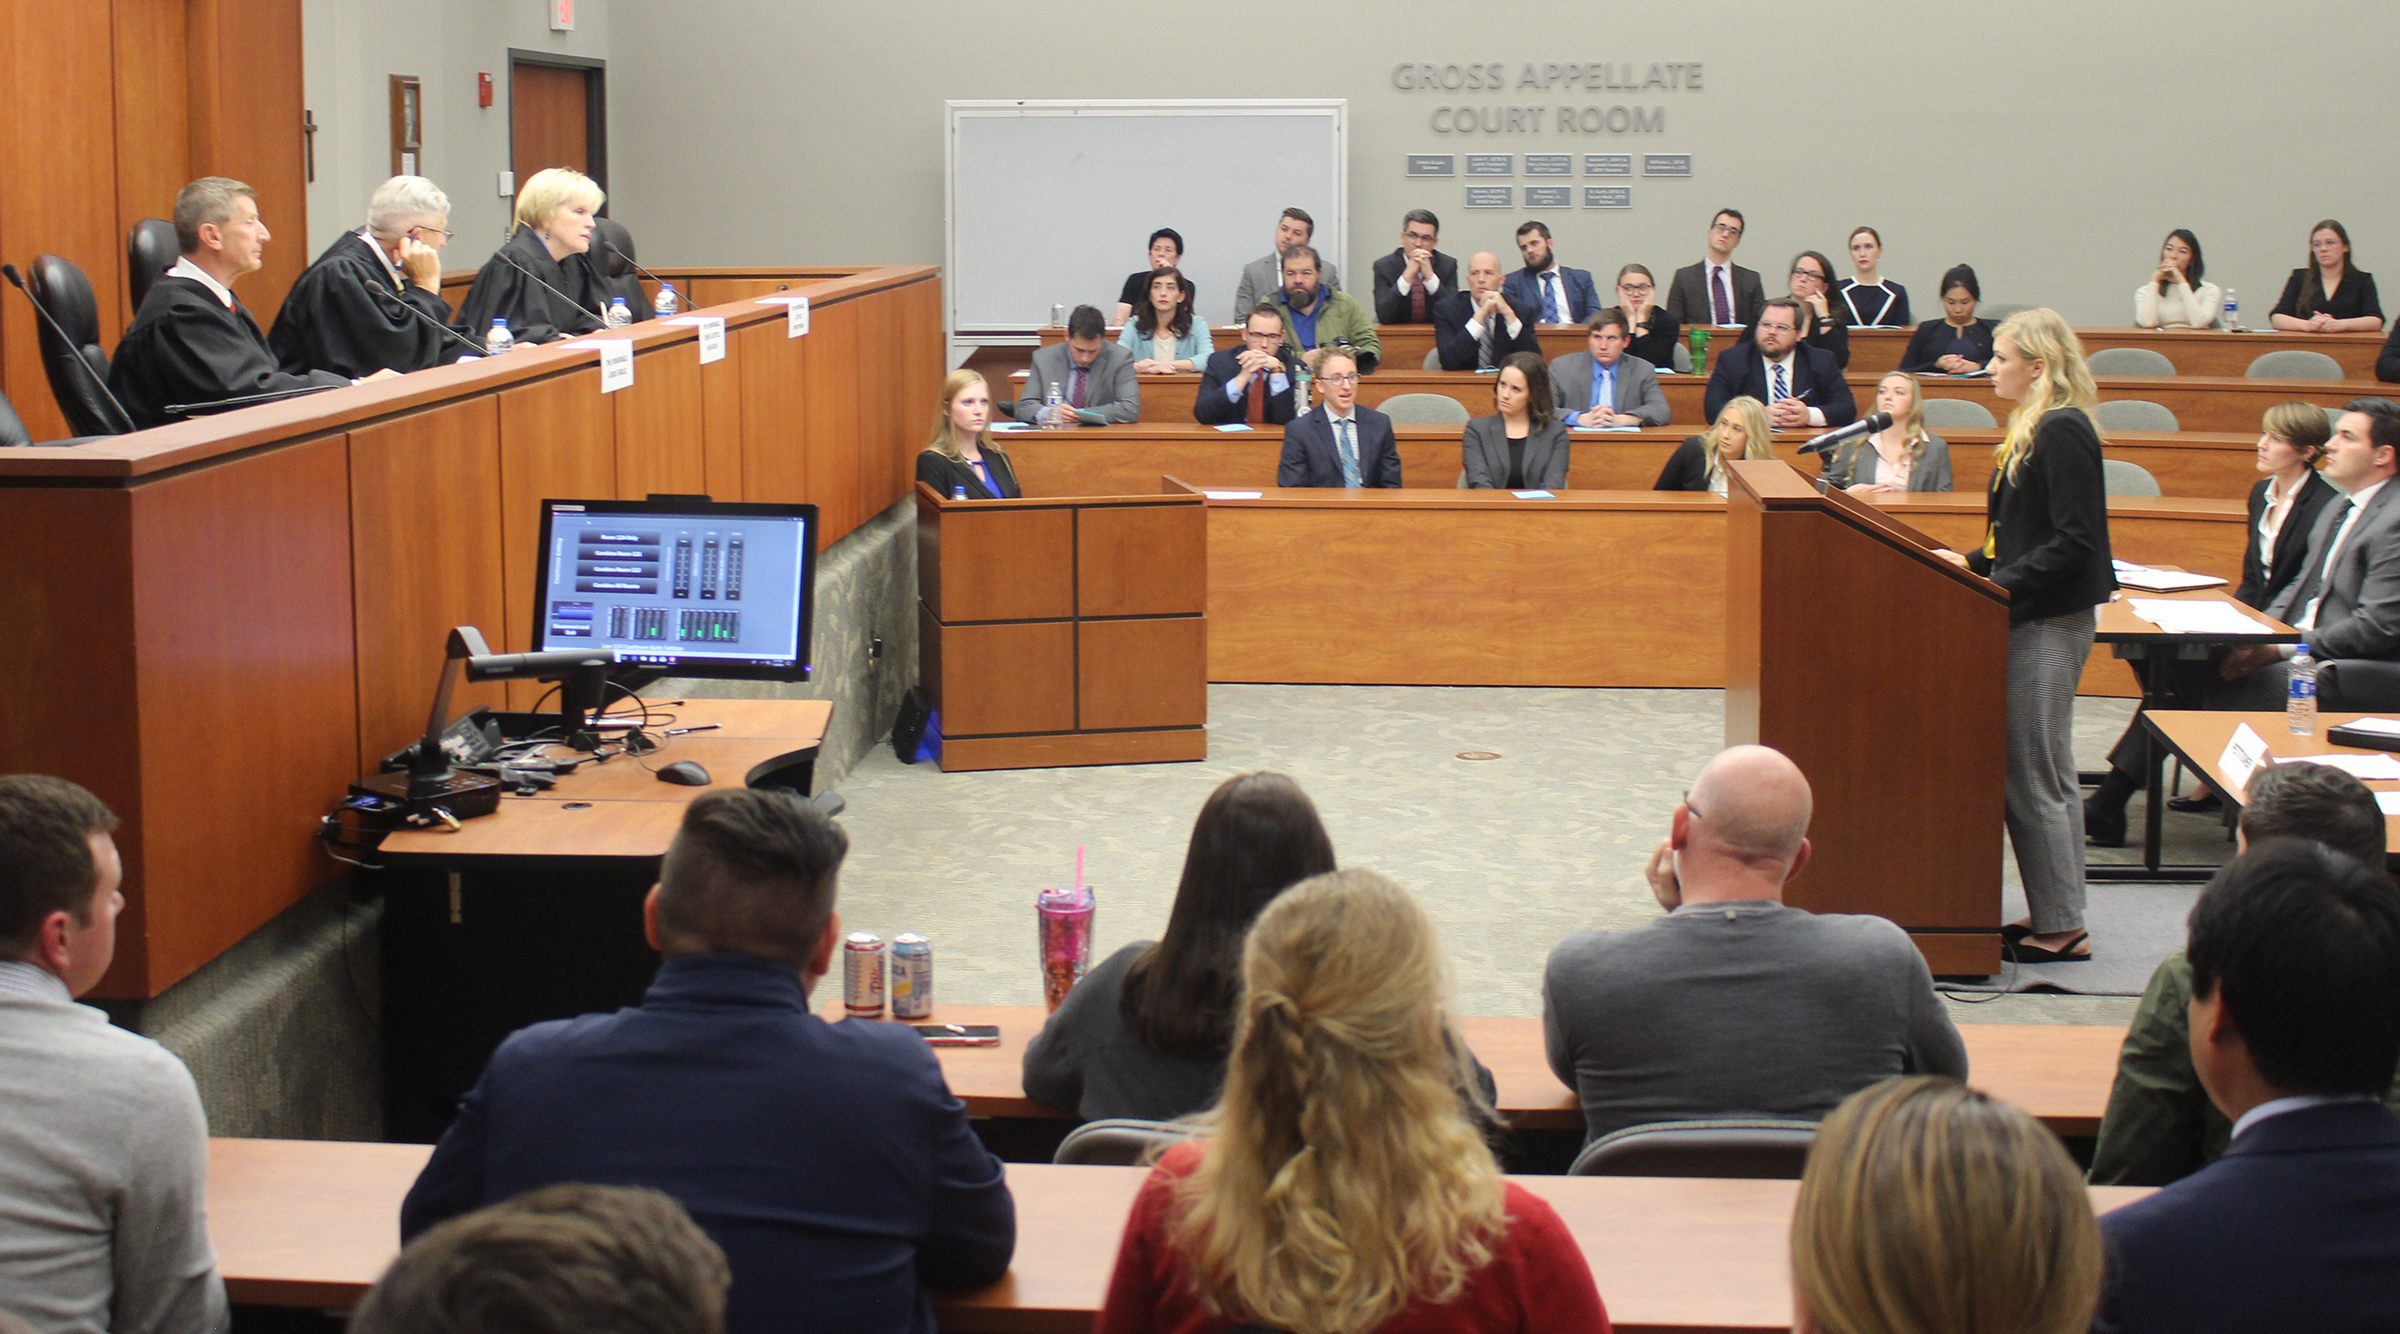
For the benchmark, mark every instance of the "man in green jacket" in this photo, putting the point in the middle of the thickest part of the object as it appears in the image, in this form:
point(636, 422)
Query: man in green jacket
point(1316, 316)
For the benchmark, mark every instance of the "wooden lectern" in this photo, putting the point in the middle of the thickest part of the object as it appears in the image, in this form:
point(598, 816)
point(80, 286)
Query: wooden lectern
point(1064, 631)
point(1882, 670)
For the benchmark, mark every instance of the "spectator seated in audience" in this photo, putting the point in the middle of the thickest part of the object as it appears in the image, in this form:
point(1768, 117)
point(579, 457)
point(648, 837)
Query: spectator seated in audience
point(1414, 275)
point(1716, 290)
point(1604, 385)
point(568, 1259)
point(1523, 443)
point(1735, 1004)
point(1345, 1185)
point(1256, 383)
point(1823, 322)
point(1871, 300)
point(1144, 1034)
point(1094, 378)
point(831, 1161)
point(1166, 252)
point(2294, 951)
point(2326, 295)
point(962, 455)
point(1929, 1208)
point(1555, 293)
point(2160, 1125)
point(1261, 277)
point(103, 1147)
point(1903, 456)
point(1338, 443)
point(1698, 464)
point(1959, 343)
point(1482, 326)
point(1316, 316)
point(2176, 297)
point(1647, 323)
point(1801, 385)
point(1164, 335)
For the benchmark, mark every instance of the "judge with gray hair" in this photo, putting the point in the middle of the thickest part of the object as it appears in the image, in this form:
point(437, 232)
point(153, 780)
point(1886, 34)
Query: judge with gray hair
point(373, 300)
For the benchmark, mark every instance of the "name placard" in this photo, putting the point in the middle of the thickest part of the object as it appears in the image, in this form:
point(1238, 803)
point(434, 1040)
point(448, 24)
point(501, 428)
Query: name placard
point(1549, 196)
point(1491, 196)
point(1491, 164)
point(1549, 164)
point(1608, 196)
point(1666, 164)
point(1608, 164)
point(1433, 164)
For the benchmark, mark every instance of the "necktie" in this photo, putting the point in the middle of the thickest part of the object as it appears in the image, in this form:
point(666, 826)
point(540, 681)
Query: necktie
point(1075, 396)
point(1724, 303)
point(1484, 359)
point(1557, 313)
point(1780, 391)
point(1416, 303)
point(1255, 412)
point(1604, 390)
point(1349, 442)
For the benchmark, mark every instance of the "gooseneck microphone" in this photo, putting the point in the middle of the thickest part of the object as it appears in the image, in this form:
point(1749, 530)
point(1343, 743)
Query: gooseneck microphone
point(630, 262)
point(1867, 425)
point(124, 421)
point(228, 404)
point(396, 299)
point(519, 266)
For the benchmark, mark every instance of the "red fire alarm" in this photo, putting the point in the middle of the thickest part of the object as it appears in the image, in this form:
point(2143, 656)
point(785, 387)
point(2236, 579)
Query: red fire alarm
point(483, 90)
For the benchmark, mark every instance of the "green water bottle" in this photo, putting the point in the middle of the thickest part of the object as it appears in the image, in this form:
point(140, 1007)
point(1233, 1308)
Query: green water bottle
point(1699, 349)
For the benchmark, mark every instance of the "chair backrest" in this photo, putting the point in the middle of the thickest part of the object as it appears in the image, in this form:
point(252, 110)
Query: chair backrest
point(1123, 1142)
point(620, 246)
point(1424, 409)
point(2119, 478)
point(2333, 418)
point(1958, 412)
point(2294, 363)
point(2135, 414)
point(66, 293)
point(1433, 358)
point(2000, 310)
point(2129, 361)
point(150, 250)
point(13, 433)
point(1683, 358)
point(1750, 1147)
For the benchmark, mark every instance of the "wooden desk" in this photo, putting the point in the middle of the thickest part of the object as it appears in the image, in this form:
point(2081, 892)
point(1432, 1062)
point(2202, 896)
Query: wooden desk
point(302, 1223)
point(2199, 736)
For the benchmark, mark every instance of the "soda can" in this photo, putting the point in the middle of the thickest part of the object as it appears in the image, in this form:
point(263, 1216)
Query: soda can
point(912, 976)
point(862, 975)
point(1058, 314)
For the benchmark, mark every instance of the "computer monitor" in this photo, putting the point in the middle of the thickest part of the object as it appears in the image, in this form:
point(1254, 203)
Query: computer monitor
point(682, 587)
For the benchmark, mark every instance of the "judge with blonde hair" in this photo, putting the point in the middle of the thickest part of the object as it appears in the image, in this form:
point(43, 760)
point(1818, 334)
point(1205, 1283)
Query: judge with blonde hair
point(543, 281)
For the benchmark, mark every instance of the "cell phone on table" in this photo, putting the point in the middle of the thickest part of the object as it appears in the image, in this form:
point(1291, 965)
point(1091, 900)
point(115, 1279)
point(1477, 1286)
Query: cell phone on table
point(959, 1035)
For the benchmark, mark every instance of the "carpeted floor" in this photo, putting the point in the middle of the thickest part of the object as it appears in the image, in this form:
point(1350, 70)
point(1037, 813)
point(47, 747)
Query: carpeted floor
point(1508, 854)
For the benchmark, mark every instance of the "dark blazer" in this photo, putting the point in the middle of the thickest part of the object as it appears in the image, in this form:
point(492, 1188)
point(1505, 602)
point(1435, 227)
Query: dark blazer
point(1687, 467)
point(1393, 307)
point(1830, 334)
point(2297, 1227)
point(1883, 306)
point(1816, 381)
point(1223, 367)
point(535, 313)
point(344, 315)
point(186, 347)
point(2387, 362)
point(2355, 298)
point(2291, 541)
point(1456, 347)
point(1582, 295)
point(1484, 452)
point(830, 1161)
point(946, 474)
point(1931, 342)
point(2052, 524)
point(1655, 341)
point(1689, 301)
point(1310, 459)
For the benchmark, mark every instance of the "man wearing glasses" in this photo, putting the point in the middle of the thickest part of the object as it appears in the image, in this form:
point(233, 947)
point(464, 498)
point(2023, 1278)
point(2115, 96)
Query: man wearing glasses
point(373, 300)
point(1250, 384)
point(1801, 385)
point(1410, 279)
point(1716, 290)
point(1339, 443)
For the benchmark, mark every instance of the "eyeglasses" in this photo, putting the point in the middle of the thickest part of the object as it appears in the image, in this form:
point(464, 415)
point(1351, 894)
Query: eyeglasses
point(1351, 378)
point(1421, 238)
point(442, 232)
point(1266, 336)
point(1808, 273)
point(1765, 327)
point(1637, 287)
point(1729, 228)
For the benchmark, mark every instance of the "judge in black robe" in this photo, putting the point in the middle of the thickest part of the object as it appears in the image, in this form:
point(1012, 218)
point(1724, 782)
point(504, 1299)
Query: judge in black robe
point(187, 346)
point(534, 313)
point(352, 314)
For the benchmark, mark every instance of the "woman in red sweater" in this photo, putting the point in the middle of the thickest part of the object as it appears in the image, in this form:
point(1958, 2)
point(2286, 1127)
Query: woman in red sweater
point(1344, 1188)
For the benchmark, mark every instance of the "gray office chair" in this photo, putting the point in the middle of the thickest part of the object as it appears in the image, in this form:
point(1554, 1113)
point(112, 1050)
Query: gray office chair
point(2000, 310)
point(1433, 358)
point(1122, 1142)
point(2358, 685)
point(1752, 1148)
point(2119, 478)
point(2129, 361)
point(2294, 363)
point(2135, 414)
point(2333, 419)
point(1424, 410)
point(1683, 358)
point(1951, 413)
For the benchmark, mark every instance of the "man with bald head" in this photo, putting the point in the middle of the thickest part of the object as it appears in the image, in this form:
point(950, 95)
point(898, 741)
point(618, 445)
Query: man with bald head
point(1476, 329)
point(1735, 1004)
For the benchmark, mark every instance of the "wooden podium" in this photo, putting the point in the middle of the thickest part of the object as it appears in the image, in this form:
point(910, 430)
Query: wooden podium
point(1064, 631)
point(1882, 671)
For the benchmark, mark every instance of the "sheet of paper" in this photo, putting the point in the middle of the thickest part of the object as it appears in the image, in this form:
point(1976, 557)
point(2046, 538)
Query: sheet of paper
point(1010, 428)
point(1533, 495)
point(2383, 726)
point(1234, 426)
point(1600, 430)
point(795, 312)
point(2367, 768)
point(2162, 581)
point(712, 334)
point(2388, 802)
point(2242, 756)
point(1233, 495)
point(2197, 617)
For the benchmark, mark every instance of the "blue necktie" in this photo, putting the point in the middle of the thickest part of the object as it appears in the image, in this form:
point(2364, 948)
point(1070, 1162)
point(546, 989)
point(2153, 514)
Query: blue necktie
point(1604, 392)
point(1349, 444)
point(1558, 314)
point(1780, 392)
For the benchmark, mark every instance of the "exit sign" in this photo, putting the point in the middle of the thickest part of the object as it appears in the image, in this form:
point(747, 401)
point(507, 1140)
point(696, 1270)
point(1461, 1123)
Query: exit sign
point(562, 15)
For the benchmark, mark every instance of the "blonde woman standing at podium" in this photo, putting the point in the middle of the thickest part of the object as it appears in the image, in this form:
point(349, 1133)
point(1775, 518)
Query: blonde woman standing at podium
point(962, 452)
point(2046, 543)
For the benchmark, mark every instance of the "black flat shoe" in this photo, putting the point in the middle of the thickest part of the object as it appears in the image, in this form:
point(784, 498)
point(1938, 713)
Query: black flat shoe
point(2192, 805)
point(2103, 829)
point(2014, 932)
point(2026, 952)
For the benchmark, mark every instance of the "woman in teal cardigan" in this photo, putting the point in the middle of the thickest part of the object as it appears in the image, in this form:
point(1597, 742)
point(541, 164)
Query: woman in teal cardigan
point(1164, 335)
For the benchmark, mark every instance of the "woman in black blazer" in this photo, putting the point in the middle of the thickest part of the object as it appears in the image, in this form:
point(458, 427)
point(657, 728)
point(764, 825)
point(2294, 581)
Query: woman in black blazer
point(962, 454)
point(2046, 543)
point(1698, 464)
point(2326, 295)
point(1523, 444)
point(1958, 342)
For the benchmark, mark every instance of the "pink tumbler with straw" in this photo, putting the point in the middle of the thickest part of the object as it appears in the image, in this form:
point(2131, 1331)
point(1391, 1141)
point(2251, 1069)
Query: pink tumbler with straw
point(1064, 919)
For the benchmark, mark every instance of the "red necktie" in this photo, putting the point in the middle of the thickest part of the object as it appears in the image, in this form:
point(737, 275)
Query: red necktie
point(1256, 411)
point(1075, 399)
point(1416, 302)
point(1724, 305)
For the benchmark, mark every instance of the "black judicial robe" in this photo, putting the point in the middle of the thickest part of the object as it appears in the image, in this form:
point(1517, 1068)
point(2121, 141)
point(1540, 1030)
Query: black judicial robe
point(534, 315)
point(345, 316)
point(186, 347)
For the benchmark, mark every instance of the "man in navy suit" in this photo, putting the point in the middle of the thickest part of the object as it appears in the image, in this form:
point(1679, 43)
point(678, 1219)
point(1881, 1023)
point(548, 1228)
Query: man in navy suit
point(1801, 385)
point(1338, 443)
point(1555, 293)
point(1253, 383)
point(2295, 1010)
point(1408, 280)
point(1476, 329)
point(830, 1161)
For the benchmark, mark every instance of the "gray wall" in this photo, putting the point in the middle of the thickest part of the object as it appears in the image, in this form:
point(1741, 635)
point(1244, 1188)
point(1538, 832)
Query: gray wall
point(2051, 143)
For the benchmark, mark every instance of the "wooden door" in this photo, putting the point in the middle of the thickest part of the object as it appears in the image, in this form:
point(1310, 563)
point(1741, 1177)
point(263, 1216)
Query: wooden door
point(550, 117)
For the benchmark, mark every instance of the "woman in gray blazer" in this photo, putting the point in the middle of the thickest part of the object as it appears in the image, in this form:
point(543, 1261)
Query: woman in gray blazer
point(1524, 444)
point(1901, 457)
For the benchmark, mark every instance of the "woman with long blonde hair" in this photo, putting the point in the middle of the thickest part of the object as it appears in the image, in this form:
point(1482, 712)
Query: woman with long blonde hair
point(1929, 1208)
point(1903, 456)
point(2046, 542)
point(1698, 464)
point(1345, 1187)
point(962, 453)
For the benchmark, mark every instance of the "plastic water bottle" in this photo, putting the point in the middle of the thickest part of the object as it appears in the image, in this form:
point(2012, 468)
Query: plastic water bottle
point(499, 340)
point(2233, 313)
point(619, 314)
point(666, 304)
point(1051, 403)
point(2300, 708)
point(958, 493)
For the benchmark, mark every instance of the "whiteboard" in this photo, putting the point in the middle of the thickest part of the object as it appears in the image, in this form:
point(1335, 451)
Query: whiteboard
point(1053, 203)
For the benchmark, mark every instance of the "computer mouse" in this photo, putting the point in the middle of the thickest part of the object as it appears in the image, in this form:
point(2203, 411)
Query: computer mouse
point(684, 772)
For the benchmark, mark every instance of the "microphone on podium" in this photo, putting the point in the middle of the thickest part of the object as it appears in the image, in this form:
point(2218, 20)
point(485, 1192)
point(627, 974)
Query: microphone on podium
point(1867, 425)
point(244, 400)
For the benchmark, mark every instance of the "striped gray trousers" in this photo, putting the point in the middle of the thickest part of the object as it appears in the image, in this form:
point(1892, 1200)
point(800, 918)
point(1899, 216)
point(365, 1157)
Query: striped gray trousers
point(2045, 802)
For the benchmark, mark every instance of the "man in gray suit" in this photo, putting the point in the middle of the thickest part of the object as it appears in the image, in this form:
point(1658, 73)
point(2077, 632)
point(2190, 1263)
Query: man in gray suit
point(2346, 602)
point(1628, 386)
point(1262, 278)
point(1095, 378)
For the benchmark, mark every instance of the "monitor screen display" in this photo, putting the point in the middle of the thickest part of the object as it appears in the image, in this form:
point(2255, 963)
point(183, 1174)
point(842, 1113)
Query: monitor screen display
point(691, 588)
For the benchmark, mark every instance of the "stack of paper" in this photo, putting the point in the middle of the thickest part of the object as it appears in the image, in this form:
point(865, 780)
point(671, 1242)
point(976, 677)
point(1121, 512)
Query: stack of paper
point(2162, 581)
point(2365, 768)
point(2200, 616)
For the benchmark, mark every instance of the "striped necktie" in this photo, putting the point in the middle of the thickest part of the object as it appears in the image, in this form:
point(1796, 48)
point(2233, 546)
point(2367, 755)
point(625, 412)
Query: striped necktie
point(1343, 432)
point(1557, 312)
point(1782, 389)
